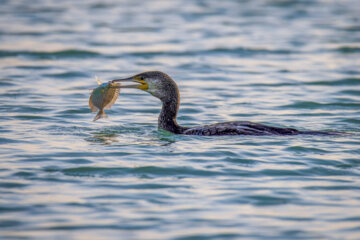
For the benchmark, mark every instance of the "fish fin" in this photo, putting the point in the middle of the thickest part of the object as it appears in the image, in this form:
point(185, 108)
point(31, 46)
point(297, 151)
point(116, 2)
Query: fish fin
point(97, 80)
point(101, 114)
point(92, 107)
point(116, 94)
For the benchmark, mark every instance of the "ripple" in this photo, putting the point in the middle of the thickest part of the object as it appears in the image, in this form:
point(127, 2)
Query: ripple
point(12, 185)
point(78, 161)
point(10, 208)
point(34, 67)
point(24, 174)
point(68, 75)
point(73, 227)
point(282, 172)
point(33, 117)
point(339, 82)
point(238, 51)
point(268, 200)
point(351, 92)
point(9, 140)
point(306, 149)
point(348, 49)
point(29, 109)
point(10, 223)
point(210, 236)
point(142, 186)
point(326, 171)
point(71, 53)
point(333, 188)
point(71, 112)
point(5, 82)
point(316, 105)
point(289, 3)
point(142, 171)
point(240, 161)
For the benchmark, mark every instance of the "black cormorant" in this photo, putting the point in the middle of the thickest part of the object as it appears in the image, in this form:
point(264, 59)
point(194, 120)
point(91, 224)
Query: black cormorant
point(162, 86)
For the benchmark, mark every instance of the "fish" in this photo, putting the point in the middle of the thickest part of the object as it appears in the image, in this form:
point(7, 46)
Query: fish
point(103, 97)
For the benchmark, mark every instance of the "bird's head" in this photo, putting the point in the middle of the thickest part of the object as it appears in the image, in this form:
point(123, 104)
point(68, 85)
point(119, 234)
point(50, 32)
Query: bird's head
point(156, 83)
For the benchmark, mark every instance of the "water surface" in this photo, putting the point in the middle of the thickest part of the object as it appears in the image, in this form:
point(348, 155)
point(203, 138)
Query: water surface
point(278, 62)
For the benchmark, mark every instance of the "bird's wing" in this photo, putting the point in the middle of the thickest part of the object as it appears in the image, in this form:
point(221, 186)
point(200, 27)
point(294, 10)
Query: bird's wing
point(239, 128)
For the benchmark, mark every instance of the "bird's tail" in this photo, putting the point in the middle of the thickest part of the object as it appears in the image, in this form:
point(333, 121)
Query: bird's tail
point(100, 114)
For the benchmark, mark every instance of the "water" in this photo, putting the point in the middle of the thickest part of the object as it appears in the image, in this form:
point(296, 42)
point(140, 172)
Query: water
point(279, 62)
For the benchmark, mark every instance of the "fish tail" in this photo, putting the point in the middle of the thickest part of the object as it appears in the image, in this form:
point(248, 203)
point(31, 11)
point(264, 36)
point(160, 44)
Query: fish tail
point(101, 114)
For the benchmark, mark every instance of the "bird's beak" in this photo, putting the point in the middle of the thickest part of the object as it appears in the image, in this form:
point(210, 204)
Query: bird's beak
point(140, 84)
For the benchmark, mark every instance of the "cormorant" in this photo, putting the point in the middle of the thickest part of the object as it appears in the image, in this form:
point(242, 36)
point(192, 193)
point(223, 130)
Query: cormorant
point(162, 86)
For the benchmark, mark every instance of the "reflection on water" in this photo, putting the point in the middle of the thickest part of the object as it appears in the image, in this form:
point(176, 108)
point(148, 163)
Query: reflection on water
point(284, 63)
point(116, 136)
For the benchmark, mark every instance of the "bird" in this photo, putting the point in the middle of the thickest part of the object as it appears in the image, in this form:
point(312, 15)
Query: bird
point(163, 87)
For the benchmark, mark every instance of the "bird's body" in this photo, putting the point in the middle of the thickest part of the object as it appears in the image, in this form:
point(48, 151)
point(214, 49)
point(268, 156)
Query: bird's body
point(164, 87)
point(239, 128)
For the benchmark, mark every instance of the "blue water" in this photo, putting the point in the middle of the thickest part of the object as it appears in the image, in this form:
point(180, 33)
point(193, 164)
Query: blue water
point(279, 62)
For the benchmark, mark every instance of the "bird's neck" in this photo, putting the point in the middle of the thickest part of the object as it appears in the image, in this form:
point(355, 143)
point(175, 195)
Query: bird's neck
point(167, 117)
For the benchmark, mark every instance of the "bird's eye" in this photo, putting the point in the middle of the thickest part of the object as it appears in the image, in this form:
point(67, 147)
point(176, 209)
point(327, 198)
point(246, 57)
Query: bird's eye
point(142, 78)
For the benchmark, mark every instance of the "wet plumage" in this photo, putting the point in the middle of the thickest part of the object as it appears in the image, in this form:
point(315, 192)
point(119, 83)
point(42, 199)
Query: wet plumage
point(163, 87)
point(103, 97)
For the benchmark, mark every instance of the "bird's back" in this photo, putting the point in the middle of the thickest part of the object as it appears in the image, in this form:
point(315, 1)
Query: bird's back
point(244, 128)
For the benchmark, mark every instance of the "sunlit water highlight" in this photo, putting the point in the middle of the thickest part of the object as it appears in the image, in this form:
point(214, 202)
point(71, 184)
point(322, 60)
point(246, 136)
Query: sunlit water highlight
point(284, 63)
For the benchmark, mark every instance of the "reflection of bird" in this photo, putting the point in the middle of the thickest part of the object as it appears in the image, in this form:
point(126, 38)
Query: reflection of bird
point(162, 86)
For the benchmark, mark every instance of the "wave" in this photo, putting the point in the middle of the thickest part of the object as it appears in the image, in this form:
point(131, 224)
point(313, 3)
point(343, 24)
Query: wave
point(70, 53)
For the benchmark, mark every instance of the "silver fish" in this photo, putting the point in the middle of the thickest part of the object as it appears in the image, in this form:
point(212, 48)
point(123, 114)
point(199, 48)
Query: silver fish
point(103, 97)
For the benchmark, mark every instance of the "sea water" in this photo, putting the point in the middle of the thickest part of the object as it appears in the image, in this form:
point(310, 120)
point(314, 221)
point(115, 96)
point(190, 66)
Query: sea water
point(279, 62)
